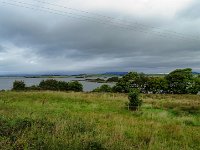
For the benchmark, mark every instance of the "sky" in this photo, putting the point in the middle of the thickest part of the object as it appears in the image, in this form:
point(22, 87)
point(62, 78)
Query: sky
point(95, 36)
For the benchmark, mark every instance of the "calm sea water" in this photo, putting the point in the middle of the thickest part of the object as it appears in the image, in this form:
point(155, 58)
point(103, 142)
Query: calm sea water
point(7, 82)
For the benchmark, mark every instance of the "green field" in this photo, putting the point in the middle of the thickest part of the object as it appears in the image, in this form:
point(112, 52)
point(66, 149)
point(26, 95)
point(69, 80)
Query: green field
point(95, 121)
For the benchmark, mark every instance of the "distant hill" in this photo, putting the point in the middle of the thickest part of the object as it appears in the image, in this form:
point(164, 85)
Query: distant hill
point(195, 73)
point(116, 73)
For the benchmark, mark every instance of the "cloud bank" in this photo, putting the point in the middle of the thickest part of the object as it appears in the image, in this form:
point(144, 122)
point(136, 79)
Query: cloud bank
point(99, 36)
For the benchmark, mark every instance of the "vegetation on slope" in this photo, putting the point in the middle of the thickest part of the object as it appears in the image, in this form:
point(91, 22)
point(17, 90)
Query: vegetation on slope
point(95, 121)
point(179, 81)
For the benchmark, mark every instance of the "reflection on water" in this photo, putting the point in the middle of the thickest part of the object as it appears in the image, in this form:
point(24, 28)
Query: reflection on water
point(7, 82)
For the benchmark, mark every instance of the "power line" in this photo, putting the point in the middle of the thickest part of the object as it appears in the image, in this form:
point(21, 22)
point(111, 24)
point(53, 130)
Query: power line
point(58, 12)
point(49, 10)
point(83, 11)
point(108, 17)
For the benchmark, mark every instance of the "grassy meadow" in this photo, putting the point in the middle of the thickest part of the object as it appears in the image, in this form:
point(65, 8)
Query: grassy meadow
point(96, 121)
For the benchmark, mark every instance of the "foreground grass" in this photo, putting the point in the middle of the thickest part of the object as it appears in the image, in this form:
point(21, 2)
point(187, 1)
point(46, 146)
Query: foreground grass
point(86, 121)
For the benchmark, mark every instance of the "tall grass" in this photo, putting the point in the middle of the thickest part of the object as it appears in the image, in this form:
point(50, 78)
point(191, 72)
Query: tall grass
point(97, 121)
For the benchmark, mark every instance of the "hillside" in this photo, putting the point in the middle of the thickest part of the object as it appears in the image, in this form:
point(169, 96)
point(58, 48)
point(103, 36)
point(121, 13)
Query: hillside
point(58, 120)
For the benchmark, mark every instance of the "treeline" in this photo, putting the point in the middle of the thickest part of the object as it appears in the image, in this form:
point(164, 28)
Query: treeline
point(51, 84)
point(99, 80)
point(179, 81)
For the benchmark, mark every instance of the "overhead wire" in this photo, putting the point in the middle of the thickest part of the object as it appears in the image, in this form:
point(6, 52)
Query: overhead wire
point(83, 17)
point(108, 17)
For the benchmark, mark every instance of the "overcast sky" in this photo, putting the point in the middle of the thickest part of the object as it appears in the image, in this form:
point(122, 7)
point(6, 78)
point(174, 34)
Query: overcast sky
point(92, 36)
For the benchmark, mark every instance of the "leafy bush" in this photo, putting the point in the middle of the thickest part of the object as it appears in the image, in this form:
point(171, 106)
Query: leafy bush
point(122, 87)
point(75, 86)
point(50, 84)
point(63, 86)
point(117, 89)
point(19, 85)
point(55, 85)
point(134, 101)
point(103, 88)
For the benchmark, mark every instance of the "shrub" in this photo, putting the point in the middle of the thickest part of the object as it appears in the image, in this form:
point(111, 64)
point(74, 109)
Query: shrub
point(75, 86)
point(54, 85)
point(134, 101)
point(122, 87)
point(50, 84)
point(63, 86)
point(19, 85)
point(117, 89)
point(103, 88)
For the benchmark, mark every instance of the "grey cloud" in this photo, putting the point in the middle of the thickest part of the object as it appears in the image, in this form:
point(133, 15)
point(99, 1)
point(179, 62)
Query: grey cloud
point(1, 48)
point(56, 43)
point(192, 11)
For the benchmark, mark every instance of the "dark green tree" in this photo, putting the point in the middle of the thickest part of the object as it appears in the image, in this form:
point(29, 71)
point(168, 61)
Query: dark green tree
point(195, 86)
point(179, 81)
point(130, 81)
point(63, 86)
point(156, 85)
point(122, 86)
point(49, 84)
point(75, 86)
point(19, 85)
point(127, 82)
